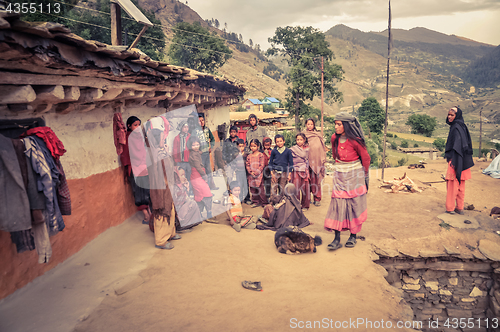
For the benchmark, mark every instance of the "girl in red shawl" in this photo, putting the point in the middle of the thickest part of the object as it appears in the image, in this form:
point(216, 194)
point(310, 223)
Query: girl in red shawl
point(255, 168)
point(300, 173)
point(348, 208)
point(317, 158)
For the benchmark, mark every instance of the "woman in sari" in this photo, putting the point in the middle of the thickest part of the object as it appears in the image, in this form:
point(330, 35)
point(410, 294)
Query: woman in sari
point(317, 158)
point(348, 207)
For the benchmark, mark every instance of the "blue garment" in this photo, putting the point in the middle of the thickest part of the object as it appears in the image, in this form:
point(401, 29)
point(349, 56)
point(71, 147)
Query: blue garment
point(47, 180)
point(281, 162)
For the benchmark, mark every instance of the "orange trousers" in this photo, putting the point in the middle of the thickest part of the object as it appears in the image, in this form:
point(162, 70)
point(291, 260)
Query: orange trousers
point(455, 194)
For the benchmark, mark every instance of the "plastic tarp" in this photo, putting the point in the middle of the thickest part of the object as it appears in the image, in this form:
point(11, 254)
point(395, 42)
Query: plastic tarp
point(494, 169)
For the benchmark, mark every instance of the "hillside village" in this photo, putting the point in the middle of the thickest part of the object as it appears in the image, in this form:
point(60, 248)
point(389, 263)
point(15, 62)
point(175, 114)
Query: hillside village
point(413, 262)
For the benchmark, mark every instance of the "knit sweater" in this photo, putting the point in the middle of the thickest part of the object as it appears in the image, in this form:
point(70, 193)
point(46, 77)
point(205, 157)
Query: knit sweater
point(281, 162)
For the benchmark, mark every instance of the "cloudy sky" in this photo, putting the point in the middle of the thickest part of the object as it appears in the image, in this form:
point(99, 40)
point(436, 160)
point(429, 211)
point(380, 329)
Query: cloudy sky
point(475, 19)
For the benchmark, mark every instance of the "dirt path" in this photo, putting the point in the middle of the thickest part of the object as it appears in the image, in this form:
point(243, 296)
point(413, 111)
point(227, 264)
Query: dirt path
point(197, 285)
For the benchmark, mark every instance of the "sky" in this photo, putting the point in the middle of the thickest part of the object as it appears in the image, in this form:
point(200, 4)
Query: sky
point(257, 20)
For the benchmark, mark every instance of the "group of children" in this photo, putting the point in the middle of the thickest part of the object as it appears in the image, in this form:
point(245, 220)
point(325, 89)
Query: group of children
point(267, 171)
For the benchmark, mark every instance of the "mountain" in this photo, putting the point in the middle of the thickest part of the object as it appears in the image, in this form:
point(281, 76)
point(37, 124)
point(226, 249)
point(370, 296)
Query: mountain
point(441, 53)
point(485, 72)
point(425, 74)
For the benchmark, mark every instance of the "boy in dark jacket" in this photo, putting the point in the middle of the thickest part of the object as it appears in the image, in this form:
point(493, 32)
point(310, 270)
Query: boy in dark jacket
point(281, 165)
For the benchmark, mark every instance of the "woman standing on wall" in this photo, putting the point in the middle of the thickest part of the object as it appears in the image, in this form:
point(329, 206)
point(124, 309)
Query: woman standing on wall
point(458, 153)
point(317, 158)
point(348, 208)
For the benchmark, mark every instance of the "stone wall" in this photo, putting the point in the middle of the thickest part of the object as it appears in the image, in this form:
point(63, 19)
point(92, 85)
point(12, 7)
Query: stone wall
point(441, 289)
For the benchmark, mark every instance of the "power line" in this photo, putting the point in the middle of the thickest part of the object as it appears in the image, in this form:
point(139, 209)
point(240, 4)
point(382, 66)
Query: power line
point(157, 25)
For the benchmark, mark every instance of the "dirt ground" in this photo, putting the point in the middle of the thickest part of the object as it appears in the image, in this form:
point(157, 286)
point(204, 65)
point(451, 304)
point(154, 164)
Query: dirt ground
point(197, 285)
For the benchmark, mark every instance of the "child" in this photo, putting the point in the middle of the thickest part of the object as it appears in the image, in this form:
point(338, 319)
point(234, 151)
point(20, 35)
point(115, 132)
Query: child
point(234, 210)
point(266, 178)
point(185, 207)
point(201, 190)
point(281, 164)
point(255, 166)
point(300, 174)
point(180, 151)
point(239, 169)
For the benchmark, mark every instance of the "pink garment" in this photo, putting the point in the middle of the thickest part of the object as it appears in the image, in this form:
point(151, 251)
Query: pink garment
point(200, 187)
point(137, 151)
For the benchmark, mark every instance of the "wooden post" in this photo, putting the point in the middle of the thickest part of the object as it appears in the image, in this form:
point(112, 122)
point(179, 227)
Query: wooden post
point(322, 75)
point(480, 131)
point(144, 28)
point(387, 91)
point(116, 24)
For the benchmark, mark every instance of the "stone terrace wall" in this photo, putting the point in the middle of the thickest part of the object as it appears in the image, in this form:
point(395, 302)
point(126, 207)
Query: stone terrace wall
point(449, 288)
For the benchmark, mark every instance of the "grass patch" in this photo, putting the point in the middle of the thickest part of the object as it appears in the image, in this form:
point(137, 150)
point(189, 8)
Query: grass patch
point(445, 225)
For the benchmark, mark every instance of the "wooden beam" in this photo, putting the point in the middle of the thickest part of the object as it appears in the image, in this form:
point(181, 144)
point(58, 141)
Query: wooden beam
point(43, 108)
point(76, 81)
point(12, 94)
point(71, 93)
point(116, 24)
point(65, 108)
point(88, 95)
point(111, 94)
point(144, 28)
point(85, 107)
point(49, 94)
point(21, 108)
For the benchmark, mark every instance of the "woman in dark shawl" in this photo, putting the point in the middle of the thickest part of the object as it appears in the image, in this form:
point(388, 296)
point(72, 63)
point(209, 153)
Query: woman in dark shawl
point(458, 153)
point(287, 211)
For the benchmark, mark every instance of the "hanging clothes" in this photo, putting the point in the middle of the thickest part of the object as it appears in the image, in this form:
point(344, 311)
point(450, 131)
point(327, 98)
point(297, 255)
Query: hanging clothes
point(119, 133)
point(53, 143)
point(44, 184)
point(14, 203)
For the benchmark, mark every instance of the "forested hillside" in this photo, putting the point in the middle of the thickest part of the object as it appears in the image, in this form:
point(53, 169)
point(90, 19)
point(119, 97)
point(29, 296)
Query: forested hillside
point(485, 72)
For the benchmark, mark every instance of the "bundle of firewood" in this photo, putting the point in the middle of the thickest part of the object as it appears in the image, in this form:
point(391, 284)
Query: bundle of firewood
point(402, 185)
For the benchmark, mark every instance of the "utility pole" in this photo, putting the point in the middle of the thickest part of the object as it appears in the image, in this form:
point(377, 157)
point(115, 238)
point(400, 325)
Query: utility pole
point(322, 75)
point(480, 131)
point(387, 90)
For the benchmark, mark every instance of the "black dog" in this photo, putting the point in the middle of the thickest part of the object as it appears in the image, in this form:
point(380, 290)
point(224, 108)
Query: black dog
point(292, 240)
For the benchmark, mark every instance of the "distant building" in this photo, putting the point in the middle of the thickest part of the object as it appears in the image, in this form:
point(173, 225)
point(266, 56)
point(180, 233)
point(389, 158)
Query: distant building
point(425, 153)
point(253, 105)
point(271, 101)
point(271, 121)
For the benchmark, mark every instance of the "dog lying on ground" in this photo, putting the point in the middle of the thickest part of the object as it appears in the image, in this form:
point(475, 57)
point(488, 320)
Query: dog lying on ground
point(292, 240)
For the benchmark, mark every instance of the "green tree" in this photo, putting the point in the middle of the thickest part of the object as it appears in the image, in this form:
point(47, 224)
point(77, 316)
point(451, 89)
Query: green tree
point(404, 144)
point(439, 143)
point(268, 108)
point(422, 124)
point(240, 109)
point(193, 46)
point(371, 113)
point(303, 48)
point(96, 26)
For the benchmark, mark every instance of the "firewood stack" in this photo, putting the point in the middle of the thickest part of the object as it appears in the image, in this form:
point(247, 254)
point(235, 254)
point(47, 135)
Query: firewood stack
point(402, 185)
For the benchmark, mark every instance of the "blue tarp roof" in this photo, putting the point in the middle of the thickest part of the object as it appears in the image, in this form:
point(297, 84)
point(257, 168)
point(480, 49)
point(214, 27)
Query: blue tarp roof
point(255, 101)
point(272, 100)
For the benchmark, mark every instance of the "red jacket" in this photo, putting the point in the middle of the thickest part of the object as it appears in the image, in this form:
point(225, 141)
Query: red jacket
point(351, 151)
point(177, 147)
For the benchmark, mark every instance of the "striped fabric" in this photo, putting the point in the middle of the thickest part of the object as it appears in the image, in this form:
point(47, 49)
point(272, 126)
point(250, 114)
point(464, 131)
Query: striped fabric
point(348, 208)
